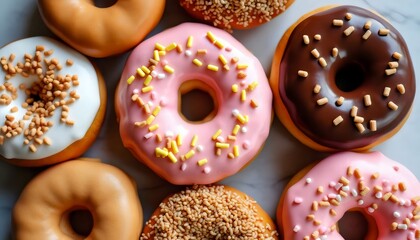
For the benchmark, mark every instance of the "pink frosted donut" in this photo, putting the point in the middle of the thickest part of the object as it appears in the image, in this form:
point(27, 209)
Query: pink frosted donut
point(382, 189)
point(193, 56)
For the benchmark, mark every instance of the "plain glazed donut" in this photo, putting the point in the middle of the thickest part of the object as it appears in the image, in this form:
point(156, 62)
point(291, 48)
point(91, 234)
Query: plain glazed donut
point(384, 190)
point(342, 79)
point(52, 102)
point(41, 212)
point(193, 56)
point(101, 32)
point(209, 212)
point(236, 14)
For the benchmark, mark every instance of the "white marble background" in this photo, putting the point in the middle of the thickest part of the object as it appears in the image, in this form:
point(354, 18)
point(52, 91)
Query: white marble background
point(282, 155)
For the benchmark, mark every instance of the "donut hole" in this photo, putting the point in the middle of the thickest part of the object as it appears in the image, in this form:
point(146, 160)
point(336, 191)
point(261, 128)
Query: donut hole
point(104, 3)
point(77, 222)
point(349, 76)
point(354, 225)
point(196, 102)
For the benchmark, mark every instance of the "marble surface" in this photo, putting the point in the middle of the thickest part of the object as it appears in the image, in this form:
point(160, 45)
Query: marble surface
point(282, 156)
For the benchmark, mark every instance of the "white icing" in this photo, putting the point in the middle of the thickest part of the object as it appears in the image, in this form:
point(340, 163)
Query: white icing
point(82, 111)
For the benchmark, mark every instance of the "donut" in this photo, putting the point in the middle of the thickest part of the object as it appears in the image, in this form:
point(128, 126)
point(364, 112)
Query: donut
point(382, 189)
point(235, 14)
point(44, 207)
point(148, 98)
point(342, 79)
point(101, 32)
point(52, 102)
point(209, 212)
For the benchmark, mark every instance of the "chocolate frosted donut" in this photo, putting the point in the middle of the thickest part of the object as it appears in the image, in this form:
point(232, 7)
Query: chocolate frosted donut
point(343, 79)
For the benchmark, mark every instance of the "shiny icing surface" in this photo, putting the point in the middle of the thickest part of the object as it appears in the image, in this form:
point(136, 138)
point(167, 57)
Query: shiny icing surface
point(42, 211)
point(372, 183)
point(366, 60)
point(204, 152)
point(82, 111)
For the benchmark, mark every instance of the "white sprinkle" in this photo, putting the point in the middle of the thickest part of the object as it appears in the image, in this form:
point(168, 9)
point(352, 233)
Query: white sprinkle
point(154, 74)
point(296, 228)
point(378, 195)
point(323, 237)
point(183, 167)
point(161, 76)
point(150, 103)
point(298, 200)
point(136, 91)
point(207, 170)
point(169, 134)
point(346, 188)
point(220, 139)
point(188, 53)
point(360, 202)
point(308, 180)
point(396, 214)
point(148, 135)
point(200, 148)
point(354, 193)
point(402, 202)
point(371, 209)
point(402, 226)
point(338, 186)
point(338, 198)
point(235, 112)
point(244, 129)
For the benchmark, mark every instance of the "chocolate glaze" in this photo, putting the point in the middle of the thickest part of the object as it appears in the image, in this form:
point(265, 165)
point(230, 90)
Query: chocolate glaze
point(369, 56)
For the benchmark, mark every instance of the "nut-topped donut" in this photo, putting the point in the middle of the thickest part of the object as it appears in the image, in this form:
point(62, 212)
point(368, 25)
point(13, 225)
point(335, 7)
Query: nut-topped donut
point(342, 78)
point(52, 102)
point(193, 56)
point(381, 189)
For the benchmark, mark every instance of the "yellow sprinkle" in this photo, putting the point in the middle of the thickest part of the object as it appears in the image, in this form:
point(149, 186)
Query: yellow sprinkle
point(235, 88)
point(236, 150)
point(218, 132)
point(153, 127)
point(174, 147)
point(197, 62)
point(168, 69)
point(131, 79)
point(243, 95)
point(253, 103)
point(212, 67)
point(241, 118)
point(159, 47)
point(222, 145)
point(156, 55)
point(172, 157)
point(145, 69)
point(222, 59)
point(148, 80)
point(236, 129)
point(170, 47)
point(252, 86)
point(140, 72)
point(162, 53)
point(211, 37)
point(147, 89)
point(194, 141)
point(150, 119)
point(179, 140)
point(161, 152)
point(241, 66)
point(219, 44)
point(189, 154)
point(156, 111)
point(202, 162)
point(190, 41)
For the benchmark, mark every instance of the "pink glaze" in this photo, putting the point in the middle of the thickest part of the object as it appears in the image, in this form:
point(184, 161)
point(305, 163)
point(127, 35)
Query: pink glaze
point(328, 173)
point(143, 143)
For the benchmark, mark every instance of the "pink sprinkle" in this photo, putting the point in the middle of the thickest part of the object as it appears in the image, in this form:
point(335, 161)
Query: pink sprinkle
point(411, 236)
point(153, 95)
point(325, 198)
point(298, 200)
point(243, 83)
point(245, 145)
point(183, 167)
point(228, 49)
point(410, 215)
point(220, 139)
point(385, 183)
point(323, 230)
point(413, 226)
point(396, 168)
point(164, 62)
point(387, 189)
point(163, 102)
point(408, 204)
point(332, 195)
point(207, 170)
point(148, 135)
point(332, 184)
